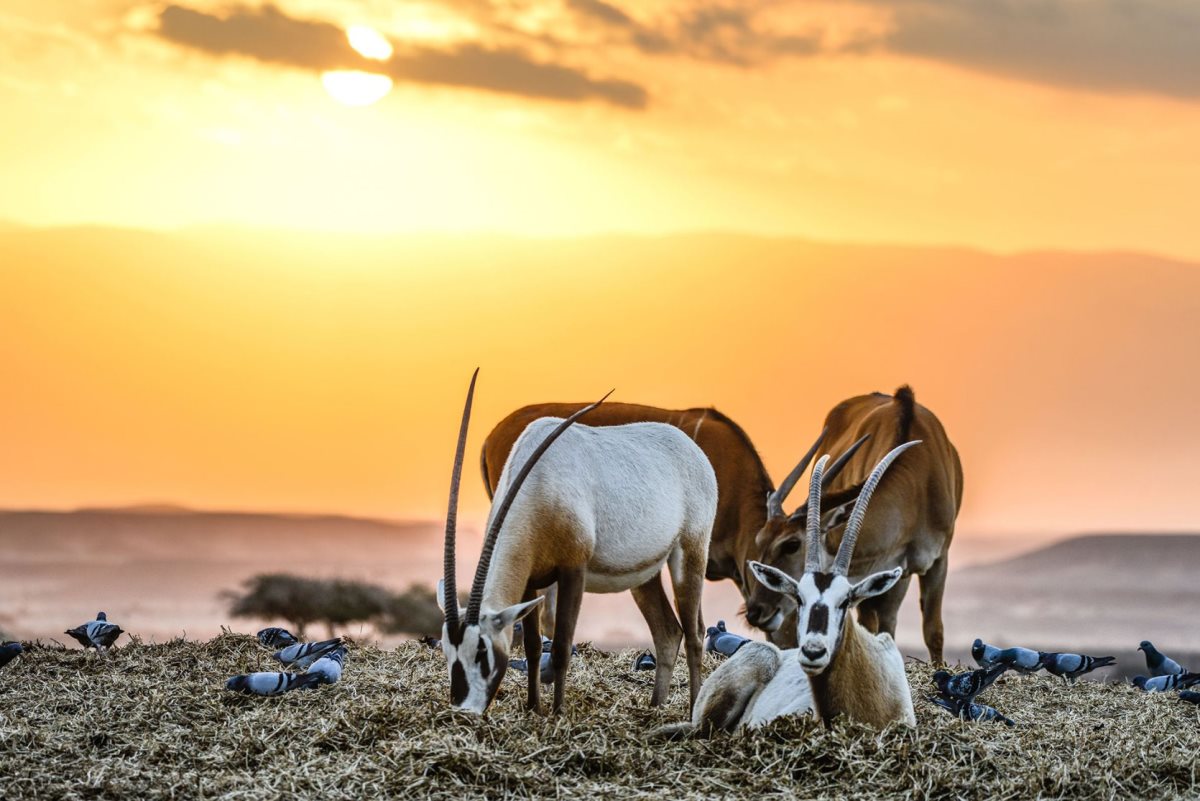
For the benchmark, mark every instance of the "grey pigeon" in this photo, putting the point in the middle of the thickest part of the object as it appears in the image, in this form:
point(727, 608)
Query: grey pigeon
point(1159, 684)
point(329, 667)
point(98, 633)
point(548, 643)
point(301, 655)
point(1022, 660)
point(1157, 663)
point(432, 642)
point(719, 640)
point(276, 637)
point(966, 711)
point(965, 686)
point(272, 683)
point(985, 655)
point(1189, 696)
point(1072, 666)
point(545, 669)
point(645, 661)
point(9, 651)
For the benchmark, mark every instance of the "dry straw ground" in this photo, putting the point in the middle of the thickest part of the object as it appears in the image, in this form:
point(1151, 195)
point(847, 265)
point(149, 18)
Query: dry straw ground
point(153, 721)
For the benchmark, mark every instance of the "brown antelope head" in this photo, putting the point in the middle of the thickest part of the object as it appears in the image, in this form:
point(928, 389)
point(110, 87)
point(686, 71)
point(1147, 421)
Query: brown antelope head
point(780, 542)
point(475, 641)
point(824, 599)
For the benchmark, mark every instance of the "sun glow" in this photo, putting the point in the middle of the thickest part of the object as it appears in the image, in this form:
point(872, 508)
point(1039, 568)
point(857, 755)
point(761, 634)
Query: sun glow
point(355, 88)
point(369, 42)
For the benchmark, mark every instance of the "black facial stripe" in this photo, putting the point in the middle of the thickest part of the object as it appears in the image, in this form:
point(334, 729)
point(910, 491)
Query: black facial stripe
point(458, 683)
point(481, 658)
point(822, 580)
point(818, 619)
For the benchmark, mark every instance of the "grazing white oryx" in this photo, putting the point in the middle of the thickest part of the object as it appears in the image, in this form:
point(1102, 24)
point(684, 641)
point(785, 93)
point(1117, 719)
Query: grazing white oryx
point(604, 510)
point(840, 668)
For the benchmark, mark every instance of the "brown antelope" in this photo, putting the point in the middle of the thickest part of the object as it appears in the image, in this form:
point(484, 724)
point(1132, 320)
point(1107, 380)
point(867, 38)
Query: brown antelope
point(604, 510)
point(740, 473)
point(911, 526)
point(839, 668)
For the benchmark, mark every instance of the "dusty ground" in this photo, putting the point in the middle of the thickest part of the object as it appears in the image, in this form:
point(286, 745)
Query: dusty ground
point(153, 721)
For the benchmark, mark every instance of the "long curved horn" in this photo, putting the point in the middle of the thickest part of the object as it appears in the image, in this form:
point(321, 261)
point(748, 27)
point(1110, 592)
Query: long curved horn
point(775, 499)
point(489, 541)
point(832, 472)
point(841, 565)
point(449, 590)
point(812, 554)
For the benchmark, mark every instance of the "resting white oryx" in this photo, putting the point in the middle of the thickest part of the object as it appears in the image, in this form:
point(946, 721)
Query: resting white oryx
point(603, 511)
point(840, 667)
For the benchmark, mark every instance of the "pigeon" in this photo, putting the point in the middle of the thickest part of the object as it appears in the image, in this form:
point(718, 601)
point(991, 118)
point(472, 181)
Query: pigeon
point(9, 651)
point(545, 669)
point(1189, 696)
point(1158, 663)
point(548, 643)
point(276, 637)
point(432, 642)
point(273, 683)
point(1158, 684)
point(985, 655)
point(645, 661)
point(966, 711)
point(1072, 666)
point(98, 633)
point(301, 655)
point(965, 686)
point(719, 640)
point(329, 667)
point(1022, 660)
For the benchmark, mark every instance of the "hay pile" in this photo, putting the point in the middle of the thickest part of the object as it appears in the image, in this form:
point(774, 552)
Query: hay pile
point(153, 721)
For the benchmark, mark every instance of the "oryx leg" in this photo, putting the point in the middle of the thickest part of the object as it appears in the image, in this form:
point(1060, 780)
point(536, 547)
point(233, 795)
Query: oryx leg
point(570, 598)
point(665, 631)
point(532, 640)
point(933, 584)
point(686, 564)
point(549, 606)
point(889, 605)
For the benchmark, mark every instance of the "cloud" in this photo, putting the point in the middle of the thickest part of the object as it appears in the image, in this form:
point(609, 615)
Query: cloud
point(267, 34)
point(1102, 45)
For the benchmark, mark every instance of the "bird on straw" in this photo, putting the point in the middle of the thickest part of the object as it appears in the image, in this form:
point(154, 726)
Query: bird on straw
point(545, 668)
point(1190, 696)
point(432, 642)
point(1159, 684)
point(968, 711)
point(985, 655)
point(720, 640)
point(965, 686)
point(1158, 663)
point(1072, 666)
point(273, 683)
point(9, 651)
point(329, 667)
point(645, 661)
point(98, 633)
point(276, 637)
point(301, 655)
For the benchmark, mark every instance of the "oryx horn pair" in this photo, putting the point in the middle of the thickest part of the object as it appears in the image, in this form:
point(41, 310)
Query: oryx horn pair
point(450, 591)
point(775, 499)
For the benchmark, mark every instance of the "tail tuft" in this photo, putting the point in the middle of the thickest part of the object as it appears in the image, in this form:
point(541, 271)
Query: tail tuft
point(907, 401)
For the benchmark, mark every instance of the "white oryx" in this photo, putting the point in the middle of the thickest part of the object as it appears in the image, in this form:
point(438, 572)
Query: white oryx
point(603, 511)
point(840, 668)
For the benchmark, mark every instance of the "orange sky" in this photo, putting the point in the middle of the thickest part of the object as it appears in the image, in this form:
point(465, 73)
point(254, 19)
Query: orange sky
point(284, 294)
point(991, 123)
point(325, 372)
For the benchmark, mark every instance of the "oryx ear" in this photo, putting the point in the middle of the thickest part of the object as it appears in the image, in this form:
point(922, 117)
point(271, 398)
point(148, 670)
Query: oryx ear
point(441, 598)
point(775, 579)
point(875, 584)
point(836, 516)
point(499, 621)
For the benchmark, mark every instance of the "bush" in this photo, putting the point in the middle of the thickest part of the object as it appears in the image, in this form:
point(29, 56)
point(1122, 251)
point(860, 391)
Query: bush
point(295, 599)
point(415, 611)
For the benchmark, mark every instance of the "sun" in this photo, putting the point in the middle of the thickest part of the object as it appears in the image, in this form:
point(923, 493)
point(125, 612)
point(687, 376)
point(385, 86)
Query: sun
point(355, 88)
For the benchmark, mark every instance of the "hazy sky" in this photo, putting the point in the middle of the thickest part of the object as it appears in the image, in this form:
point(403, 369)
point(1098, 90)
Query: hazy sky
point(996, 123)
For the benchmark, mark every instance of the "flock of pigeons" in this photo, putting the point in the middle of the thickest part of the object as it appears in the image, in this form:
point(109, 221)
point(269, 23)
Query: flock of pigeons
point(322, 663)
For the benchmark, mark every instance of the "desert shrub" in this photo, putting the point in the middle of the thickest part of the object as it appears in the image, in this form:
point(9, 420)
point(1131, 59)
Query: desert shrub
point(296, 599)
point(414, 611)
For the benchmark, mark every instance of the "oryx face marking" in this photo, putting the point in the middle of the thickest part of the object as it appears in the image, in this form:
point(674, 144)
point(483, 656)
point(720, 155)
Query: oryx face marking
point(477, 661)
